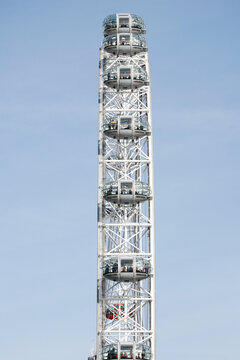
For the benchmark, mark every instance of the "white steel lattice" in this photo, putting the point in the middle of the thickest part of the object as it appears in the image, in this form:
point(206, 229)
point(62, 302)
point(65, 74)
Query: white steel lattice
point(126, 245)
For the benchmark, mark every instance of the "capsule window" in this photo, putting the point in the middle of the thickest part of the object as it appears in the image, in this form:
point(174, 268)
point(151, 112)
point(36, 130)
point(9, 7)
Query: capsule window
point(113, 40)
point(126, 187)
point(126, 123)
point(124, 39)
point(126, 352)
point(126, 265)
point(125, 73)
point(124, 22)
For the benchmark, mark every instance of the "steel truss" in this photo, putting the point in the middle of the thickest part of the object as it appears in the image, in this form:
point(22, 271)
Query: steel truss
point(125, 229)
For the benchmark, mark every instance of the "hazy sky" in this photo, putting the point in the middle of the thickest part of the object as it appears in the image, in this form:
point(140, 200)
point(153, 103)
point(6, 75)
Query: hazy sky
point(48, 175)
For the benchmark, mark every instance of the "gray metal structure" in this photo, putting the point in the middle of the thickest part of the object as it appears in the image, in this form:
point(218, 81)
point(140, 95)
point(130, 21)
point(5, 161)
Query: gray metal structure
point(126, 244)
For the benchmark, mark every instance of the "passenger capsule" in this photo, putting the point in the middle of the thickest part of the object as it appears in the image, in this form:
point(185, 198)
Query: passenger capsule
point(126, 127)
point(125, 77)
point(126, 269)
point(124, 44)
point(126, 192)
point(126, 351)
point(123, 23)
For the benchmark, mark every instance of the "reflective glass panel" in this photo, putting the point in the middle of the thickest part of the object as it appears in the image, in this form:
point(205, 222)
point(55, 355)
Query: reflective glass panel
point(125, 123)
point(110, 22)
point(124, 39)
point(137, 22)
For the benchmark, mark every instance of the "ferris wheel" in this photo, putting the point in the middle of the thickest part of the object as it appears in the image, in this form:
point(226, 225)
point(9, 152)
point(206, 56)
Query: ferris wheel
point(126, 244)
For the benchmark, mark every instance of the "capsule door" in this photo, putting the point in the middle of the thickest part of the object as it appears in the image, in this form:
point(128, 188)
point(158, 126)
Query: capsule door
point(124, 43)
point(126, 269)
point(126, 352)
point(125, 191)
point(125, 127)
point(125, 77)
point(123, 23)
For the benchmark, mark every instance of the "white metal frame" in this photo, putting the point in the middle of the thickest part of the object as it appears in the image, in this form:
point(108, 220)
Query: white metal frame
point(125, 230)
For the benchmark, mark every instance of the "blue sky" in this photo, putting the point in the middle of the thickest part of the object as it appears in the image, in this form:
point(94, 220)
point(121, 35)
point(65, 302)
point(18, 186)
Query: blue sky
point(48, 177)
